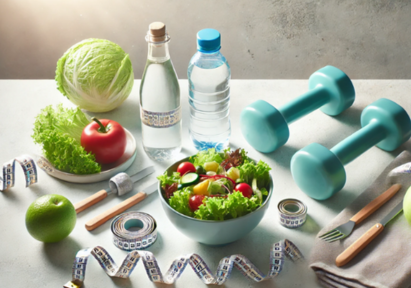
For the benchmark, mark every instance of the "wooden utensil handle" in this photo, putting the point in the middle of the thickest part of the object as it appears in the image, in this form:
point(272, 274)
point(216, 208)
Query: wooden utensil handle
point(90, 201)
point(358, 245)
point(375, 204)
point(110, 213)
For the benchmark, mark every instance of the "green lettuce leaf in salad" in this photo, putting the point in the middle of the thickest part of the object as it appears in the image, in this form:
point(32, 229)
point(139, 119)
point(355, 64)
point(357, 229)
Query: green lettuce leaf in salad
point(209, 155)
point(235, 205)
point(165, 179)
point(249, 170)
point(179, 201)
point(59, 132)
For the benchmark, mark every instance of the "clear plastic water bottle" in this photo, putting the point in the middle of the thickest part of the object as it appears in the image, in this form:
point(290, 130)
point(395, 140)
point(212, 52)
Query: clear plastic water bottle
point(209, 93)
point(160, 109)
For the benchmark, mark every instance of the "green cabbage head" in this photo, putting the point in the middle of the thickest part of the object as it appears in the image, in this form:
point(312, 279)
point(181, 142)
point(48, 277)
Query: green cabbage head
point(95, 74)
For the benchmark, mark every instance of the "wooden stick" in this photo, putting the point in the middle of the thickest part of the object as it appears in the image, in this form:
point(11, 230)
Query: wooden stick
point(90, 201)
point(358, 245)
point(110, 213)
point(375, 204)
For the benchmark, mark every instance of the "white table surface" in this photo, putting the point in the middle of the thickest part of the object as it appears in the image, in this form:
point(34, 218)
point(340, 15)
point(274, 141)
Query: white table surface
point(26, 262)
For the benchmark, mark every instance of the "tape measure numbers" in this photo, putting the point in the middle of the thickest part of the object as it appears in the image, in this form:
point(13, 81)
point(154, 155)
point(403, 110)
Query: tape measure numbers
point(29, 168)
point(129, 240)
point(279, 251)
point(292, 212)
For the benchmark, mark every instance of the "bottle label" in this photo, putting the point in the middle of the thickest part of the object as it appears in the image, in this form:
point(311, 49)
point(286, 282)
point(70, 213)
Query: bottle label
point(160, 119)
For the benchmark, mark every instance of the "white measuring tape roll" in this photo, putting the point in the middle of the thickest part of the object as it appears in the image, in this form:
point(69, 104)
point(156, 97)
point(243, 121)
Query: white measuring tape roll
point(277, 256)
point(397, 173)
point(292, 212)
point(29, 169)
point(128, 240)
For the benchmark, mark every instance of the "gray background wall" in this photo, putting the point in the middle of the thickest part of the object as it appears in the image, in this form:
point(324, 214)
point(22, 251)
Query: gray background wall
point(278, 39)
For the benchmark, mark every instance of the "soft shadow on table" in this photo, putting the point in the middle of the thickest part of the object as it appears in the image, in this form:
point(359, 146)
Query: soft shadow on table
point(310, 226)
point(283, 155)
point(350, 117)
point(62, 254)
point(10, 194)
point(121, 282)
point(161, 285)
point(259, 237)
point(401, 148)
point(340, 200)
point(38, 190)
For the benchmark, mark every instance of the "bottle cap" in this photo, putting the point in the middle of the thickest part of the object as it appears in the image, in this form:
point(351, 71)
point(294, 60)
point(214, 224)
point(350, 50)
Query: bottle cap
point(157, 32)
point(208, 40)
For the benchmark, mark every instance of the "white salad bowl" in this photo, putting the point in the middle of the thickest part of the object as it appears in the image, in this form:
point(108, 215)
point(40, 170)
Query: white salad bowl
point(213, 232)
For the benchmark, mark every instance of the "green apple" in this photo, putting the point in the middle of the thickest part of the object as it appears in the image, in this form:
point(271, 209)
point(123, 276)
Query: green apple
point(406, 206)
point(50, 218)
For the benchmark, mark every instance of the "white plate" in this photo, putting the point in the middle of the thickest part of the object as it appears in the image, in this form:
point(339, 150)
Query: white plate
point(107, 170)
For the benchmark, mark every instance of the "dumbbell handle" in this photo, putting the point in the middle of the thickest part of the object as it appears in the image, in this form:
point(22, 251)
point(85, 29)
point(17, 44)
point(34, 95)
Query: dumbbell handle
point(359, 142)
point(305, 104)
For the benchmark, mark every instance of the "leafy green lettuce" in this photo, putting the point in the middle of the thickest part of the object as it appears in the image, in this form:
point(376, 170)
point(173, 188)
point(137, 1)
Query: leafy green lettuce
point(249, 170)
point(168, 180)
point(235, 205)
point(59, 131)
point(179, 201)
point(209, 155)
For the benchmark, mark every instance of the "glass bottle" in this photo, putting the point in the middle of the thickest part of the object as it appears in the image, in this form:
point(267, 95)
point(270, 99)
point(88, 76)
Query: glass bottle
point(160, 109)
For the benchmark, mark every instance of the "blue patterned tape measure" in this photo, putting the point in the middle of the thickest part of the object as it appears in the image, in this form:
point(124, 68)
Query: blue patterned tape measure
point(29, 169)
point(292, 212)
point(279, 251)
point(134, 240)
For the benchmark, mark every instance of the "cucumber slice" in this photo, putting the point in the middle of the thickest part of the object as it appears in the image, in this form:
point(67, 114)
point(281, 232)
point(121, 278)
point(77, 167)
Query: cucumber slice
point(189, 179)
point(256, 191)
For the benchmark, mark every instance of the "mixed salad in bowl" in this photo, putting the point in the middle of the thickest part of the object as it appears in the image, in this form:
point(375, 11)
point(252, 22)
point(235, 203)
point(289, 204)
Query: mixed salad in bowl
point(217, 186)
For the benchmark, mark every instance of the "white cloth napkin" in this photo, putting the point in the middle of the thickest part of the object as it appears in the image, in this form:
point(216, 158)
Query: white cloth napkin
point(386, 261)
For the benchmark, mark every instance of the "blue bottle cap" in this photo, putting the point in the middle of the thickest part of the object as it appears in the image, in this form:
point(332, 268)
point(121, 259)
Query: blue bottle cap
point(208, 40)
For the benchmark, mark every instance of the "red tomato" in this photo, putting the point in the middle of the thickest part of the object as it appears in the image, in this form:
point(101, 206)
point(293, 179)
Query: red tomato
point(186, 167)
point(106, 139)
point(245, 189)
point(195, 201)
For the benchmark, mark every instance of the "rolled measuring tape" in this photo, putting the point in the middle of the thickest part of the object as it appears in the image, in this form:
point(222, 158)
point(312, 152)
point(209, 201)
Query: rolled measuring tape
point(279, 251)
point(292, 212)
point(399, 172)
point(129, 240)
point(29, 168)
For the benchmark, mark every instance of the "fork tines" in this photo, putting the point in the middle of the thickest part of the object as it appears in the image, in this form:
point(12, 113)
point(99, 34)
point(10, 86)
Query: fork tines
point(332, 236)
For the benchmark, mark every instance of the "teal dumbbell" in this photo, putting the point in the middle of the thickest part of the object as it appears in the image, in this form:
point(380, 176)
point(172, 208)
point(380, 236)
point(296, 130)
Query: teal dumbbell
point(320, 173)
point(266, 128)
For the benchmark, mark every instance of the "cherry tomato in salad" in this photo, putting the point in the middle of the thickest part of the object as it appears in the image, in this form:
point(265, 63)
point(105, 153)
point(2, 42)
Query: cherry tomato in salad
point(195, 201)
point(186, 167)
point(245, 189)
point(106, 139)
